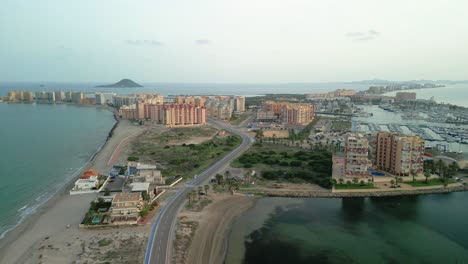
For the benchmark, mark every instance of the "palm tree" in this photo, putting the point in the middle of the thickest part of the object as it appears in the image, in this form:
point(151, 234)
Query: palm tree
point(413, 173)
point(189, 197)
point(439, 165)
point(399, 180)
point(231, 185)
point(220, 179)
point(200, 190)
point(193, 193)
point(453, 168)
point(247, 177)
point(427, 174)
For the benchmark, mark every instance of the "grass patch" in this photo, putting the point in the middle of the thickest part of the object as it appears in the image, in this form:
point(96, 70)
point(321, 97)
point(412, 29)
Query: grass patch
point(236, 120)
point(341, 126)
point(431, 182)
point(133, 159)
point(186, 160)
point(104, 242)
point(354, 186)
point(288, 164)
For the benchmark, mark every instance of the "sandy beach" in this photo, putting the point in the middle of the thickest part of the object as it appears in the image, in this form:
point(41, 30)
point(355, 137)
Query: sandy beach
point(58, 219)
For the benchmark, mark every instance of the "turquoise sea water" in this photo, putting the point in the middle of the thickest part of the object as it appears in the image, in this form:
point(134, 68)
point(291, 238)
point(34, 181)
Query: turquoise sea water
point(42, 147)
point(413, 229)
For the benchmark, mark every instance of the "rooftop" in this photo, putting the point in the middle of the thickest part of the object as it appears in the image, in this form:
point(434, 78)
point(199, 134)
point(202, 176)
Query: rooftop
point(127, 197)
point(87, 174)
point(140, 186)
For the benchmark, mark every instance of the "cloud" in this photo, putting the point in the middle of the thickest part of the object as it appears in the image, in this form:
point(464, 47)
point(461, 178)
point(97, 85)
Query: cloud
point(367, 35)
point(203, 42)
point(146, 42)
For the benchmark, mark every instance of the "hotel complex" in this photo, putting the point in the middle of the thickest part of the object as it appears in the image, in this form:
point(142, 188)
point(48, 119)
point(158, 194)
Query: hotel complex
point(399, 154)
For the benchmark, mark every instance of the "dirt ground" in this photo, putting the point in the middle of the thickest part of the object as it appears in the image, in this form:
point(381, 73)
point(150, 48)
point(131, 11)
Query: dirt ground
point(208, 243)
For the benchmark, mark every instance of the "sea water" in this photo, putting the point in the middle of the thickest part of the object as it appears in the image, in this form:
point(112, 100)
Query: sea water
point(405, 229)
point(41, 148)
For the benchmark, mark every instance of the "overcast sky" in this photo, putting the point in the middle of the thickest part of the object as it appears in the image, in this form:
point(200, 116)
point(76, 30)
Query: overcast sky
point(233, 40)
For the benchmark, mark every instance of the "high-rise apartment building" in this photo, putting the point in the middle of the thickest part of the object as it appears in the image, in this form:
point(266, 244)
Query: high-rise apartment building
point(170, 115)
point(356, 153)
point(399, 154)
point(298, 114)
point(59, 96)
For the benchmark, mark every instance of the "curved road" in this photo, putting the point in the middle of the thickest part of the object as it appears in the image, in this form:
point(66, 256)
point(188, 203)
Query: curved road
point(159, 250)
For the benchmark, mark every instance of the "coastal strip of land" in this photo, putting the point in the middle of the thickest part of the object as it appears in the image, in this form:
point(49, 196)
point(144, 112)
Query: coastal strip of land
point(59, 218)
point(203, 232)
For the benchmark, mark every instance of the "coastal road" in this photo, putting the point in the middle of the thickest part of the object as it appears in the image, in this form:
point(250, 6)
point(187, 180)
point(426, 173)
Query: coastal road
point(159, 249)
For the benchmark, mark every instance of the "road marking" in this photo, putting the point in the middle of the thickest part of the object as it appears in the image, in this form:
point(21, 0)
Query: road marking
point(246, 141)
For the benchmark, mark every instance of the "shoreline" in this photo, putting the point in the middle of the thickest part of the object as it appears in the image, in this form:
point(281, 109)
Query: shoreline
point(361, 193)
point(19, 237)
point(63, 188)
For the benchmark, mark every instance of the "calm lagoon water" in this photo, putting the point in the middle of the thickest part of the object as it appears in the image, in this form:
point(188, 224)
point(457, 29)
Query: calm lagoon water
point(42, 147)
point(412, 229)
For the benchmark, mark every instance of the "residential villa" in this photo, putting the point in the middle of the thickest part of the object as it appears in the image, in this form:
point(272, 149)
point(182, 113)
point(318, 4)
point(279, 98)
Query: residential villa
point(88, 182)
point(144, 173)
point(126, 208)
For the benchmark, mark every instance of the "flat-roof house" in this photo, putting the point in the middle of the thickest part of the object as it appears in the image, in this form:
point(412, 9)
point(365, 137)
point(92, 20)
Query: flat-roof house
point(126, 208)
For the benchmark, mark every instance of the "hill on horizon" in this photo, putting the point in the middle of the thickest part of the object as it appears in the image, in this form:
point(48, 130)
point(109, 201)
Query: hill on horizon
point(124, 83)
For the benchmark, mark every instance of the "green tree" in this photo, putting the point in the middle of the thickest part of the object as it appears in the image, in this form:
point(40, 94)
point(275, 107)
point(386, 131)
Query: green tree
point(199, 190)
point(427, 174)
point(341, 180)
point(207, 188)
point(440, 164)
point(355, 181)
point(413, 173)
point(220, 179)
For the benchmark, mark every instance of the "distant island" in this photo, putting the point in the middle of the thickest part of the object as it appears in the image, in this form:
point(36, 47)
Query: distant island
point(124, 83)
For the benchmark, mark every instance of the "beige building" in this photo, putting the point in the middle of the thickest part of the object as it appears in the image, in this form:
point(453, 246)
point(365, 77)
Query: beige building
point(126, 208)
point(298, 114)
point(290, 113)
point(356, 161)
point(399, 154)
point(128, 112)
point(171, 115)
point(402, 96)
point(239, 103)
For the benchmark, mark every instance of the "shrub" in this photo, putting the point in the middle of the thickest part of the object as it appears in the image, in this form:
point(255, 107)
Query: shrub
point(133, 158)
point(296, 163)
point(104, 242)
